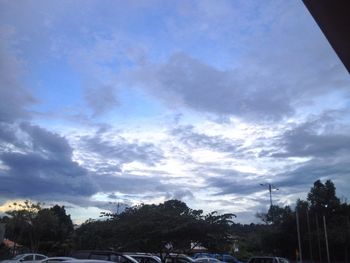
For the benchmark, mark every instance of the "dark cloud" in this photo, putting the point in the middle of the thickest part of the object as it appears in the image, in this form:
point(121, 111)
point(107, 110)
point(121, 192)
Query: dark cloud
point(186, 81)
point(42, 168)
point(117, 148)
point(193, 139)
point(34, 176)
point(322, 137)
point(303, 176)
point(130, 184)
point(141, 187)
point(229, 181)
point(281, 66)
point(48, 143)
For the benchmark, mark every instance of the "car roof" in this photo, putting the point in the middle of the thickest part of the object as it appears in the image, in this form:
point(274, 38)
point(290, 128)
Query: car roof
point(61, 258)
point(87, 261)
point(206, 258)
point(263, 257)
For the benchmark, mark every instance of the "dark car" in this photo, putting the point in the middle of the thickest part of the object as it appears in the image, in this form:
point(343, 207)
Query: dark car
point(267, 260)
point(227, 258)
point(178, 258)
point(104, 255)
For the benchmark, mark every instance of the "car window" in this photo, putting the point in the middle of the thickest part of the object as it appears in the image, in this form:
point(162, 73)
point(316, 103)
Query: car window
point(262, 260)
point(145, 260)
point(39, 257)
point(114, 258)
point(124, 259)
point(139, 259)
point(229, 259)
point(28, 258)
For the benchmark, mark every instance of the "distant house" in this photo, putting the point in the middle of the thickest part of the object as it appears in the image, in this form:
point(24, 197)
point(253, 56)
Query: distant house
point(13, 247)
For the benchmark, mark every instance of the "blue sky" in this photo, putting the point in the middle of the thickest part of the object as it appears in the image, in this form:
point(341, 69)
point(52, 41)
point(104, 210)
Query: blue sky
point(143, 101)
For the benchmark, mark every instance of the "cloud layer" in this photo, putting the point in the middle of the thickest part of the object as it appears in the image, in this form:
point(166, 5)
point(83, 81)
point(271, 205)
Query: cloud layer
point(148, 100)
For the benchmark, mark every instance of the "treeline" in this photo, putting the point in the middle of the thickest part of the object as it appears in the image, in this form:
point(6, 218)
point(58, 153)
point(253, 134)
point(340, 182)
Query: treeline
point(173, 226)
point(323, 213)
point(34, 228)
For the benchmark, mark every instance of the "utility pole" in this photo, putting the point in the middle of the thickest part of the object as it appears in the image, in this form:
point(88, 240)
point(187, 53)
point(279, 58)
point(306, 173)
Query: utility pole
point(318, 239)
point(326, 237)
point(270, 187)
point(309, 235)
point(299, 240)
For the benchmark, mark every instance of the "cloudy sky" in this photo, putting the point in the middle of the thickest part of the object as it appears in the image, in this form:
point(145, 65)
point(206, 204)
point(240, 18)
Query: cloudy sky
point(143, 101)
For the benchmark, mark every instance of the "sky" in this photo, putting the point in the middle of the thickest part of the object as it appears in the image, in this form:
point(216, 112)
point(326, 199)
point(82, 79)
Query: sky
point(129, 102)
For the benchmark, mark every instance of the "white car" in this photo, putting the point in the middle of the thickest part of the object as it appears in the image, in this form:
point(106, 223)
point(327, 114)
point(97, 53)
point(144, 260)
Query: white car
point(207, 260)
point(87, 261)
point(26, 258)
point(144, 257)
point(56, 259)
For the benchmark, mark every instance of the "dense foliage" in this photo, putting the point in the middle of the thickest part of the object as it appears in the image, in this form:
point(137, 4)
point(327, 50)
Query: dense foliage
point(39, 229)
point(149, 228)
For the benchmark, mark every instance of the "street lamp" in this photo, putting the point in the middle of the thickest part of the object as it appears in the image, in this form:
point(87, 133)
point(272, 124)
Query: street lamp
point(271, 187)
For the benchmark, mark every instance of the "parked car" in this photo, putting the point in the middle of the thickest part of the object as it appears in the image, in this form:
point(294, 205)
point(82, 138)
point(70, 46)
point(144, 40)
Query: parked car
point(27, 258)
point(144, 257)
point(57, 259)
point(87, 261)
point(267, 260)
point(202, 255)
point(178, 258)
point(227, 258)
point(103, 255)
point(220, 257)
point(207, 260)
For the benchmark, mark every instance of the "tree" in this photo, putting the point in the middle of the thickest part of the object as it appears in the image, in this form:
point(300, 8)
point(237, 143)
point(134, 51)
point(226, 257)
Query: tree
point(322, 202)
point(322, 197)
point(20, 227)
point(149, 228)
point(275, 215)
point(218, 232)
point(37, 228)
